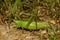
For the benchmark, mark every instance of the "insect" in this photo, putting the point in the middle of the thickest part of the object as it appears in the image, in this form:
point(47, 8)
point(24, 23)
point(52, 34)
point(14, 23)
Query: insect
point(32, 26)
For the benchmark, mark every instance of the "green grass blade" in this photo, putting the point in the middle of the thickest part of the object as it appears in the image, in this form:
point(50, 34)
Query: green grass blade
point(13, 10)
point(29, 21)
point(40, 35)
point(9, 22)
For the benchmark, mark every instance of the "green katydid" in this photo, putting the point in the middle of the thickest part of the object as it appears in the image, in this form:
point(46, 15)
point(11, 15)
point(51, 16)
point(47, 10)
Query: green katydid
point(32, 26)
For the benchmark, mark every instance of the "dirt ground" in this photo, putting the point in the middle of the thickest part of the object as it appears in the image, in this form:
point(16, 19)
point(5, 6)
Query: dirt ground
point(19, 34)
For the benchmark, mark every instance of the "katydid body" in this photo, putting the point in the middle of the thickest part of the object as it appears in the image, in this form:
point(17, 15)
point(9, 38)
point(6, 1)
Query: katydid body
point(32, 26)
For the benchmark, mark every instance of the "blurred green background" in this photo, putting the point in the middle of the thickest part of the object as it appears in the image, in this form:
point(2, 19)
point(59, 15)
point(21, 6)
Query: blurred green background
point(16, 9)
